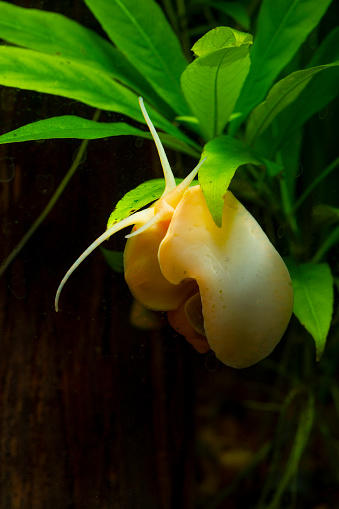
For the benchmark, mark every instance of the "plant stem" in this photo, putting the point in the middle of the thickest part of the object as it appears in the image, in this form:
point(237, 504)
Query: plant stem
point(51, 203)
point(287, 202)
point(258, 457)
point(287, 207)
point(315, 182)
point(168, 8)
point(183, 29)
point(330, 241)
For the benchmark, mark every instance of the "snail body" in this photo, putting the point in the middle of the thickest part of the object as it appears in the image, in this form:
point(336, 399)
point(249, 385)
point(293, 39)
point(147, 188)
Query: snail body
point(225, 289)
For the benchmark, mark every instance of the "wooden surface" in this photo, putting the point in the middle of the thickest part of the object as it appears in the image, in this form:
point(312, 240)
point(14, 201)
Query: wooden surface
point(93, 413)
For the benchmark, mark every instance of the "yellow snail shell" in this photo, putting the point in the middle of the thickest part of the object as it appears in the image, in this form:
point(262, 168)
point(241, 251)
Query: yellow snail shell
point(225, 289)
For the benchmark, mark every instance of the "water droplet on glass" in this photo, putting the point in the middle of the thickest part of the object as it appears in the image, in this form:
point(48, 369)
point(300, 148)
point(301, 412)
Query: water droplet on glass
point(299, 170)
point(281, 231)
point(323, 113)
point(7, 169)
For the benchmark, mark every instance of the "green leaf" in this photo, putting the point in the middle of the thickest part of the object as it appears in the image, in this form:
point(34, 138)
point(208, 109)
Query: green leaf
point(273, 169)
point(235, 10)
point(212, 83)
point(71, 126)
point(280, 96)
point(313, 299)
point(319, 92)
point(30, 70)
point(141, 31)
point(283, 26)
point(301, 438)
point(135, 199)
point(328, 51)
point(316, 96)
point(53, 33)
point(224, 156)
point(331, 240)
point(56, 75)
point(139, 197)
point(115, 259)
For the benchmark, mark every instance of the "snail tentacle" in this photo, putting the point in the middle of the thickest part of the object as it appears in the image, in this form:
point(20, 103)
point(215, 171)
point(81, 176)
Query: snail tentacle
point(168, 174)
point(140, 216)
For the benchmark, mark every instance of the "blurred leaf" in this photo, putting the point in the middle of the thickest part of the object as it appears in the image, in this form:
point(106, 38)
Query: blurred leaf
point(330, 241)
point(305, 424)
point(318, 93)
point(322, 174)
point(224, 156)
point(139, 197)
point(212, 83)
point(290, 156)
point(114, 259)
point(143, 34)
point(71, 126)
point(328, 51)
point(235, 10)
point(325, 213)
point(273, 169)
point(282, 27)
point(280, 96)
point(313, 299)
point(143, 318)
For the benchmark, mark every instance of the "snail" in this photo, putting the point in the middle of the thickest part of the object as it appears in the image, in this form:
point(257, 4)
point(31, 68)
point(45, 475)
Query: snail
point(225, 289)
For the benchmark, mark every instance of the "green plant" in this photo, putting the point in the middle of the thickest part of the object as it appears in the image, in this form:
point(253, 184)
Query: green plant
point(242, 107)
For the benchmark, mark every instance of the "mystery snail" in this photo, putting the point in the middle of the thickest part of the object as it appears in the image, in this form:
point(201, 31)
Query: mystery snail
point(225, 289)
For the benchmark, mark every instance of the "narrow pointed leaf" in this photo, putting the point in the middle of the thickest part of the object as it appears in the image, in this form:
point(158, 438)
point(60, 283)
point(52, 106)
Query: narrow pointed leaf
point(280, 96)
point(235, 10)
point(313, 299)
point(328, 51)
point(224, 156)
point(283, 26)
point(321, 90)
point(212, 83)
point(115, 259)
point(56, 75)
point(70, 126)
point(317, 95)
point(141, 31)
point(300, 440)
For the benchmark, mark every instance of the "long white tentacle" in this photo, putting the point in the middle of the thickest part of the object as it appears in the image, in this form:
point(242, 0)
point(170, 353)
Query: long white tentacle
point(169, 178)
point(139, 217)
